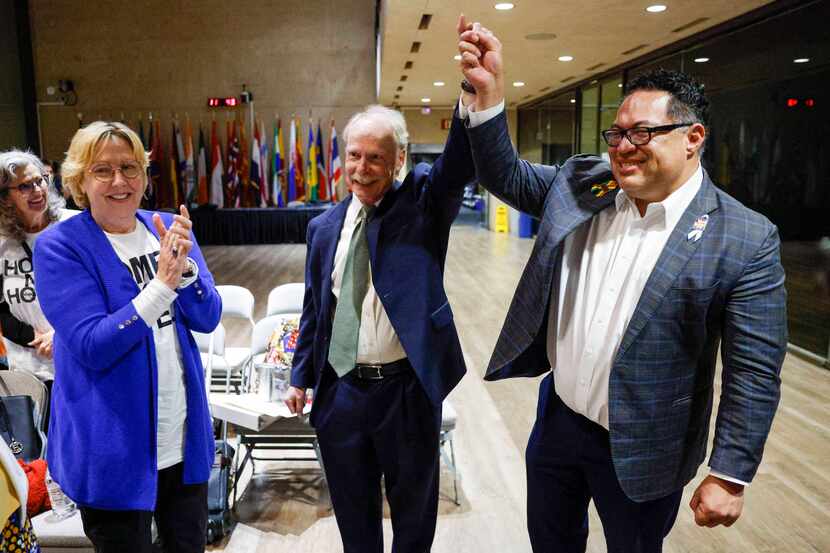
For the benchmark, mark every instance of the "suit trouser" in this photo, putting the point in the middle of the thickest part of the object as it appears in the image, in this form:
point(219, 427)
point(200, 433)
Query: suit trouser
point(181, 516)
point(568, 464)
point(389, 427)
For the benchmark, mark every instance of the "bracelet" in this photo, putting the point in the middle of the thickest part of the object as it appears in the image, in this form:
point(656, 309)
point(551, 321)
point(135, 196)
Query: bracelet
point(467, 87)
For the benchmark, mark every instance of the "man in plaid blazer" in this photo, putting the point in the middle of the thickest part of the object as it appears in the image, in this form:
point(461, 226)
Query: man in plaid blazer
point(639, 272)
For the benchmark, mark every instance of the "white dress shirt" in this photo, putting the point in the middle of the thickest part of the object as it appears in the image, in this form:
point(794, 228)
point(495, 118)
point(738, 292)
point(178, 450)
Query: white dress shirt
point(377, 342)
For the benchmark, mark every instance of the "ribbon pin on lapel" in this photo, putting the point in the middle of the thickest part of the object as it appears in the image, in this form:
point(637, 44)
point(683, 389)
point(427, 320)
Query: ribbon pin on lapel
point(697, 228)
point(600, 190)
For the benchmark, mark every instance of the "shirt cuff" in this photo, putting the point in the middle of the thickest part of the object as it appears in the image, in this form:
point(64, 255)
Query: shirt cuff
point(154, 300)
point(480, 117)
point(728, 478)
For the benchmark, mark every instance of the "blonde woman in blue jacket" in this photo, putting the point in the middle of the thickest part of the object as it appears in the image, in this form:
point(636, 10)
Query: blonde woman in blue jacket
point(131, 437)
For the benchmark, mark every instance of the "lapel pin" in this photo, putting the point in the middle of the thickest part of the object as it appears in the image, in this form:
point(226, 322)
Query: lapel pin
point(697, 228)
point(600, 190)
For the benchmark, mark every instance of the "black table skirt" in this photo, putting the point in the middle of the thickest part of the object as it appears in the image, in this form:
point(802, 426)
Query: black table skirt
point(252, 225)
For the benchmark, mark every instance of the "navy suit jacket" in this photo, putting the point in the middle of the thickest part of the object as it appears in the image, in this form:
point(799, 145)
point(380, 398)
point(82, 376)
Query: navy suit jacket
point(408, 236)
point(728, 285)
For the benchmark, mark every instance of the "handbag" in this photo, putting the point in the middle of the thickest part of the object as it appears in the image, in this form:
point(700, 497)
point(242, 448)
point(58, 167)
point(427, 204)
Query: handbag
point(18, 428)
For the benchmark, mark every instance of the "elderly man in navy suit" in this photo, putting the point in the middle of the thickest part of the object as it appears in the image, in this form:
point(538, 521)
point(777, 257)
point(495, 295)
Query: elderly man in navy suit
point(637, 275)
point(377, 340)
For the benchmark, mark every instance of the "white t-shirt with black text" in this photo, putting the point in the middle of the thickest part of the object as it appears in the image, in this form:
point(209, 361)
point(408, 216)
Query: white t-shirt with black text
point(139, 251)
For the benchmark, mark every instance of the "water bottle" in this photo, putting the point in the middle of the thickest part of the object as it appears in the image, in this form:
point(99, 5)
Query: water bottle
point(62, 506)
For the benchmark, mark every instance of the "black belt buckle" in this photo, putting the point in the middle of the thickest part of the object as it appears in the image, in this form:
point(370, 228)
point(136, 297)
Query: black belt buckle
point(370, 372)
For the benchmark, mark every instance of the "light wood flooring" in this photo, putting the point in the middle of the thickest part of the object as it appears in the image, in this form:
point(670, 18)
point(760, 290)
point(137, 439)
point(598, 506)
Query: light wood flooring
point(285, 506)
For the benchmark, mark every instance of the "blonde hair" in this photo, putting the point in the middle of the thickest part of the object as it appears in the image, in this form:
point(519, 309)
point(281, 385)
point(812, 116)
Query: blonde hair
point(86, 144)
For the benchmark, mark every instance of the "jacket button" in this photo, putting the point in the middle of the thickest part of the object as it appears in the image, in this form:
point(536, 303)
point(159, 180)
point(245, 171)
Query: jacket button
point(121, 327)
point(135, 317)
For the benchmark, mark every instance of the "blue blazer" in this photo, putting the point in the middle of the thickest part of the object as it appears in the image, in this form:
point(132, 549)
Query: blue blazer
point(728, 285)
point(102, 428)
point(408, 237)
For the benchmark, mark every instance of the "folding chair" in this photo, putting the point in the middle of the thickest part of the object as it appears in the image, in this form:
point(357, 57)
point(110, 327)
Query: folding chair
point(445, 441)
point(237, 303)
point(220, 372)
point(286, 298)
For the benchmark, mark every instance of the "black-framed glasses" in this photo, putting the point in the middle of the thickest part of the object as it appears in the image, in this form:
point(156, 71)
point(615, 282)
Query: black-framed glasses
point(105, 172)
point(638, 136)
point(28, 187)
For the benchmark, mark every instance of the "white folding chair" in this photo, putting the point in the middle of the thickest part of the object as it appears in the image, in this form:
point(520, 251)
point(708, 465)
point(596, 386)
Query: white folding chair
point(219, 369)
point(237, 303)
point(286, 298)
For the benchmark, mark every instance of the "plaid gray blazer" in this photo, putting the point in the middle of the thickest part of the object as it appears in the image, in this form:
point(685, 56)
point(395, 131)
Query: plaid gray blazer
point(727, 285)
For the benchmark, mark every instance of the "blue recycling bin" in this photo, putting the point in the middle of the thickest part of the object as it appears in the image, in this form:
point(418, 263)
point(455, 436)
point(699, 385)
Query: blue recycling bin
point(525, 225)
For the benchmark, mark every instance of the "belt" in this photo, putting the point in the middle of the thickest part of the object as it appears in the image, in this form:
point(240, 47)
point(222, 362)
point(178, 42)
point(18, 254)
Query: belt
point(365, 371)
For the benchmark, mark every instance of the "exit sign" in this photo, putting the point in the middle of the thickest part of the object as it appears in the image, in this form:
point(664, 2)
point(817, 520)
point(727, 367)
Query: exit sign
point(445, 123)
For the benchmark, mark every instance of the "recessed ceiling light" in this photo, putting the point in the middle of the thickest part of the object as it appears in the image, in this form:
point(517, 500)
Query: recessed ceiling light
point(438, 83)
point(801, 60)
point(573, 100)
point(426, 100)
point(619, 85)
point(457, 57)
point(518, 83)
point(701, 60)
point(540, 36)
point(503, 6)
point(656, 8)
point(566, 58)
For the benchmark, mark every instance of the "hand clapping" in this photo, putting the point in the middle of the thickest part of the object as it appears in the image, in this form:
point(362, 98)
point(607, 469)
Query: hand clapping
point(175, 245)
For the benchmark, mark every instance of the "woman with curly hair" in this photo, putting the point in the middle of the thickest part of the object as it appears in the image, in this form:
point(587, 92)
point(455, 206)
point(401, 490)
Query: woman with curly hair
point(28, 205)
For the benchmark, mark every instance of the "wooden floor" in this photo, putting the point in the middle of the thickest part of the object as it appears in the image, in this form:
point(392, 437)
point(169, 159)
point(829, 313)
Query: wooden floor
point(286, 506)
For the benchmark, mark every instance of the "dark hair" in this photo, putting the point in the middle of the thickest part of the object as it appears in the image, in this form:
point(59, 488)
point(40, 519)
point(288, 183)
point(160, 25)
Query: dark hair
point(688, 102)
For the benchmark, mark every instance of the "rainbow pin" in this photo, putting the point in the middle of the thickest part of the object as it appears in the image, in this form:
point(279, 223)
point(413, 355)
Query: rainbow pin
point(600, 190)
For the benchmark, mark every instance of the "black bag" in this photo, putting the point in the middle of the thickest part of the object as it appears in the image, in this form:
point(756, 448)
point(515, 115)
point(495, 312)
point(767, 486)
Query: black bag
point(17, 425)
point(219, 488)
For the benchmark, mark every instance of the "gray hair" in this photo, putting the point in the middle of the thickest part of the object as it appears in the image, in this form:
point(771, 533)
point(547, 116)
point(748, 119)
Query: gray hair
point(11, 162)
point(390, 117)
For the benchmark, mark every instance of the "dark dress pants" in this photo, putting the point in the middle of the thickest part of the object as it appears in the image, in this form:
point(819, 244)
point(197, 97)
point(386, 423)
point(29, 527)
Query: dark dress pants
point(568, 464)
point(373, 428)
point(181, 518)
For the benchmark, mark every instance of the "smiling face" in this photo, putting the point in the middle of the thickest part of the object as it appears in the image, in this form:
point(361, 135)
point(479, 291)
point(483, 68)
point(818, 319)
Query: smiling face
point(31, 207)
point(113, 204)
point(649, 173)
point(372, 160)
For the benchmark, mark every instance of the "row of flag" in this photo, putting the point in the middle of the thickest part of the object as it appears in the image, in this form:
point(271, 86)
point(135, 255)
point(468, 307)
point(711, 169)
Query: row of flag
point(243, 173)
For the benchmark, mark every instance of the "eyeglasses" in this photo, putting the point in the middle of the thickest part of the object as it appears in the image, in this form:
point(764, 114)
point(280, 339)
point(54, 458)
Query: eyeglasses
point(106, 172)
point(27, 188)
point(638, 136)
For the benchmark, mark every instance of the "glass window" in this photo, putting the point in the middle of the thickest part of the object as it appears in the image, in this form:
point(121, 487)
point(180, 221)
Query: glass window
point(546, 130)
point(589, 122)
point(611, 94)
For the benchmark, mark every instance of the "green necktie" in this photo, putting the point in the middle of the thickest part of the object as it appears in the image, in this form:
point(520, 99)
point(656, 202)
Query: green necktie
point(353, 287)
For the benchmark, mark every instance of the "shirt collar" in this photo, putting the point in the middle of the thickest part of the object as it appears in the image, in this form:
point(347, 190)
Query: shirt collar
point(671, 209)
point(354, 208)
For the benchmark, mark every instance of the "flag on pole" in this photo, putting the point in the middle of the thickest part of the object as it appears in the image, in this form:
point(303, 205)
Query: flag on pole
point(292, 161)
point(278, 193)
point(335, 169)
point(156, 157)
point(217, 196)
point(189, 182)
point(255, 175)
point(322, 180)
point(244, 168)
point(311, 165)
point(298, 163)
point(177, 163)
point(231, 171)
point(144, 143)
point(264, 189)
point(201, 170)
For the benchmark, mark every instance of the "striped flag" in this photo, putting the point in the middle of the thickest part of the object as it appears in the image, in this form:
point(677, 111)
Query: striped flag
point(217, 195)
point(231, 170)
point(322, 180)
point(243, 168)
point(189, 165)
point(156, 157)
point(255, 174)
point(201, 170)
point(335, 169)
point(299, 180)
point(265, 190)
point(278, 185)
point(311, 165)
point(292, 161)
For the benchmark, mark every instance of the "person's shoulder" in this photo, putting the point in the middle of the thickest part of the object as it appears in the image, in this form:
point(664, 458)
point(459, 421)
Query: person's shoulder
point(736, 213)
point(585, 170)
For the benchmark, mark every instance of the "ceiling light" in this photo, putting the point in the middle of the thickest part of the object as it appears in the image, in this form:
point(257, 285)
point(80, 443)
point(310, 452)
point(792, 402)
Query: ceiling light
point(426, 100)
point(457, 57)
point(801, 60)
point(438, 83)
point(518, 83)
point(503, 6)
point(701, 60)
point(619, 85)
point(566, 58)
point(573, 100)
point(540, 36)
point(656, 8)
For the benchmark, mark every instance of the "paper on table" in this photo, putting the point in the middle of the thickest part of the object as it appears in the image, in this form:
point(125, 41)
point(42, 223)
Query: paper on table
point(254, 403)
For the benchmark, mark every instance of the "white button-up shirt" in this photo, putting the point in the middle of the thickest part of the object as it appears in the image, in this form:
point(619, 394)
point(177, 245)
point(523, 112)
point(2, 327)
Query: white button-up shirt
point(606, 262)
point(377, 341)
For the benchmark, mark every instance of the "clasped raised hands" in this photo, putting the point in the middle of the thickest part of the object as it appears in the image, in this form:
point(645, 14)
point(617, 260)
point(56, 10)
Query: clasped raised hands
point(175, 245)
point(481, 62)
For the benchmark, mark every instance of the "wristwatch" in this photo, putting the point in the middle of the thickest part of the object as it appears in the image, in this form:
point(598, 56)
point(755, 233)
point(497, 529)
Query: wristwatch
point(190, 274)
point(467, 87)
